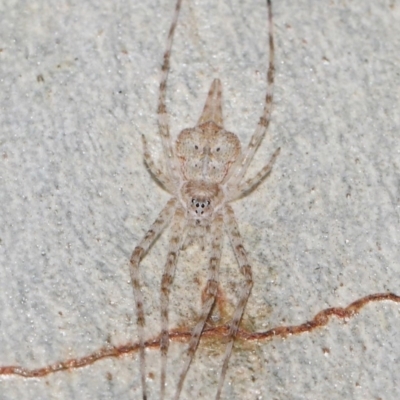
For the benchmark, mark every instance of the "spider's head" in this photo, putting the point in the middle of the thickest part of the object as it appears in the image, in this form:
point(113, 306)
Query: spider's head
point(200, 210)
point(201, 200)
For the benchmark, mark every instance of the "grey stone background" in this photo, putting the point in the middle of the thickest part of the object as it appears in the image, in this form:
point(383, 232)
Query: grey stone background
point(78, 86)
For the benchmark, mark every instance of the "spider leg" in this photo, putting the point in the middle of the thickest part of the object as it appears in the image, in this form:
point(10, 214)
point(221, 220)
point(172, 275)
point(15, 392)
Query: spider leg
point(163, 120)
point(210, 293)
point(140, 250)
point(266, 116)
point(246, 187)
point(241, 256)
point(156, 172)
point(175, 243)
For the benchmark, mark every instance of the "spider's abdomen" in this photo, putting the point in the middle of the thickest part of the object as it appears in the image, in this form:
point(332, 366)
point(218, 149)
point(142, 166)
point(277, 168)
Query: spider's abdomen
point(207, 152)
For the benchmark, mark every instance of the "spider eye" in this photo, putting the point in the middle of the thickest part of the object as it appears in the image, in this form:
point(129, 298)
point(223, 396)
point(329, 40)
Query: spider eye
point(193, 200)
point(196, 147)
point(218, 148)
point(208, 202)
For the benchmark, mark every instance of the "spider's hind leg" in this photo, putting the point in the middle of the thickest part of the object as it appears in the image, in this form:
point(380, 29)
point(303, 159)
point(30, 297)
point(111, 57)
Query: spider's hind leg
point(265, 118)
point(162, 113)
point(155, 171)
point(243, 189)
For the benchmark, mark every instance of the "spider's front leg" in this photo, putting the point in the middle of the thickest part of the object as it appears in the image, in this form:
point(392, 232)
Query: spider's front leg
point(141, 249)
point(175, 244)
point(245, 268)
point(210, 292)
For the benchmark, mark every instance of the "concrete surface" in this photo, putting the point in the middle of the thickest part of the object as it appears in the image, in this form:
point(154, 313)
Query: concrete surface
point(78, 86)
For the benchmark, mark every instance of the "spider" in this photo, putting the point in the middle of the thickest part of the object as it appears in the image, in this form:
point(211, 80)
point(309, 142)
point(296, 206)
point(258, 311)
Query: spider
point(204, 173)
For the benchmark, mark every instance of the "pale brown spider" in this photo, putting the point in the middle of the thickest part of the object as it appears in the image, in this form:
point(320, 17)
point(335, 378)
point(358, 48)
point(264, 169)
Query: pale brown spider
point(204, 173)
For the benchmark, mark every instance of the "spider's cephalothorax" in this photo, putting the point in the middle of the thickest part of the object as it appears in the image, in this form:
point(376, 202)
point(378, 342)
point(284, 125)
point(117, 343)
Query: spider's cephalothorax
point(204, 172)
point(201, 200)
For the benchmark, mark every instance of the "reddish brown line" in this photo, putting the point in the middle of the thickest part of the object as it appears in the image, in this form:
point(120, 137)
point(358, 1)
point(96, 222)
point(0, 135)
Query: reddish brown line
point(320, 320)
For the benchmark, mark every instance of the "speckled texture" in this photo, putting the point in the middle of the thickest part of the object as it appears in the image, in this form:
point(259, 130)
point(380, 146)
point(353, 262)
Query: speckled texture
point(78, 85)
